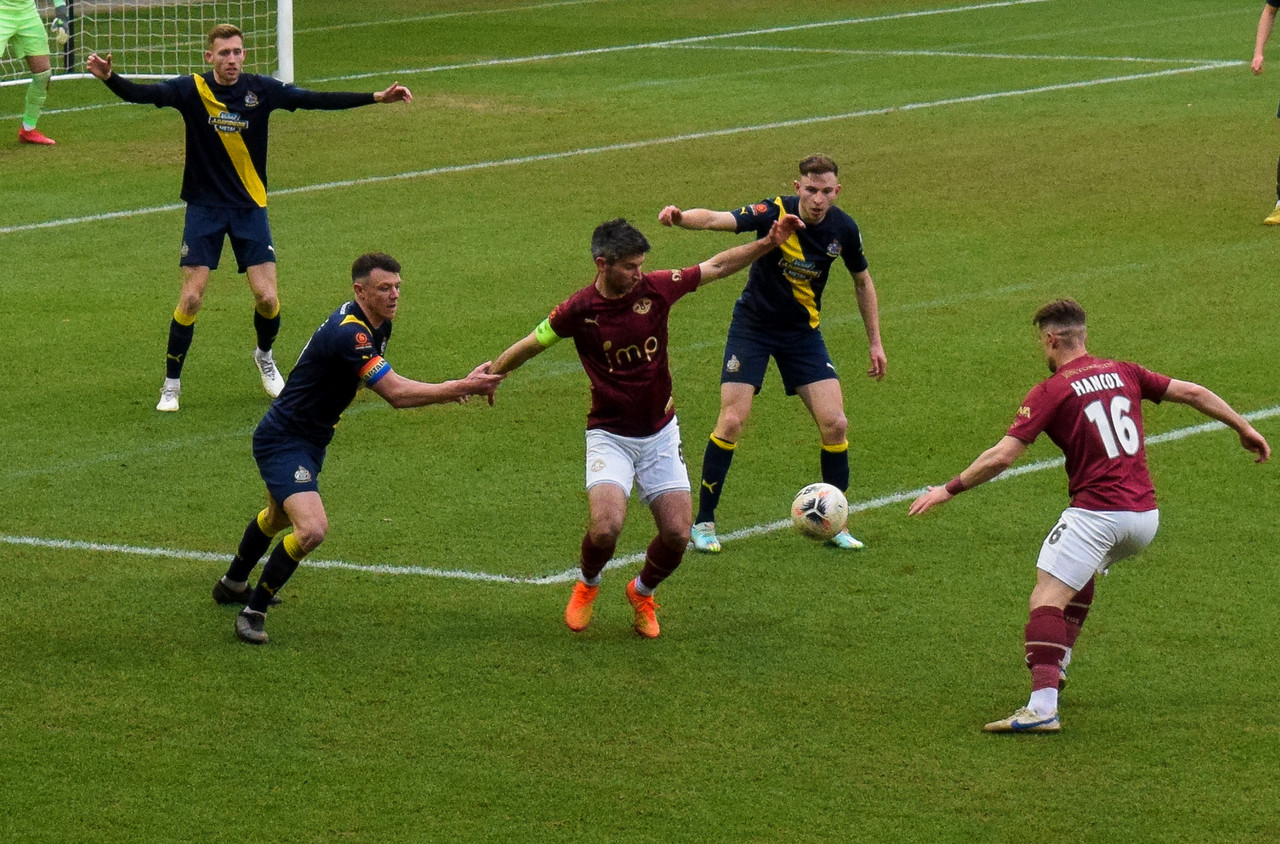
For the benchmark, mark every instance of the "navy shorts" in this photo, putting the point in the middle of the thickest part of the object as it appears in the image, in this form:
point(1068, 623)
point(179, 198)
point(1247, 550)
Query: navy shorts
point(206, 227)
point(801, 355)
point(287, 464)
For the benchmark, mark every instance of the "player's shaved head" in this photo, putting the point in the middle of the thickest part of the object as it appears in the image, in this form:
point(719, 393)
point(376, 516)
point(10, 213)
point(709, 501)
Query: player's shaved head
point(222, 30)
point(617, 239)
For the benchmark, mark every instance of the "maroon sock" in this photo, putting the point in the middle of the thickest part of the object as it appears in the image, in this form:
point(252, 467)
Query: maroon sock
point(659, 562)
point(1046, 637)
point(593, 558)
point(1076, 612)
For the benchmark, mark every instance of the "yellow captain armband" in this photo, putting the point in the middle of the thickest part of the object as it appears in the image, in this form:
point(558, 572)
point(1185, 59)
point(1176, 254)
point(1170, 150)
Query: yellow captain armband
point(545, 335)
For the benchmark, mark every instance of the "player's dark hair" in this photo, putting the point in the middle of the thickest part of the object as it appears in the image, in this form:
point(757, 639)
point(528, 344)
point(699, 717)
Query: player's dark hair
point(817, 163)
point(617, 239)
point(370, 261)
point(222, 30)
point(1060, 313)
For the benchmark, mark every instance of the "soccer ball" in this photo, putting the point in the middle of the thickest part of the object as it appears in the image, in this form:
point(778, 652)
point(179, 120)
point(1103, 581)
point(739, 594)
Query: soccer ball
point(819, 511)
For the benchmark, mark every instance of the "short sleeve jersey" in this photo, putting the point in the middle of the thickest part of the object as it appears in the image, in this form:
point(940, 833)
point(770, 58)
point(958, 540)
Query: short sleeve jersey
point(344, 354)
point(623, 347)
point(1092, 409)
point(784, 287)
point(226, 129)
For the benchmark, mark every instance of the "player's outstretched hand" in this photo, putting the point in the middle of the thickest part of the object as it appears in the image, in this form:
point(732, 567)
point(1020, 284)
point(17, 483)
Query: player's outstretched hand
point(395, 94)
point(670, 216)
point(481, 382)
point(99, 66)
point(783, 228)
point(931, 497)
point(1255, 442)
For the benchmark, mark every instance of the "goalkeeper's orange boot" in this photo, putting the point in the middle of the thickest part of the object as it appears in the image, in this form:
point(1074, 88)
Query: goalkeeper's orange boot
point(578, 614)
point(34, 136)
point(646, 620)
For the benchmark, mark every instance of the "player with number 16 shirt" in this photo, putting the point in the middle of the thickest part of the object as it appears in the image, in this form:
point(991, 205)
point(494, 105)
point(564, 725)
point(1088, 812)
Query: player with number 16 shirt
point(1092, 409)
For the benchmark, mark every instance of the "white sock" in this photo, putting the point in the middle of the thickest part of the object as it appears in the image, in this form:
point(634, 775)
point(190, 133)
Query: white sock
point(234, 584)
point(595, 581)
point(641, 589)
point(1066, 658)
point(172, 383)
point(1044, 701)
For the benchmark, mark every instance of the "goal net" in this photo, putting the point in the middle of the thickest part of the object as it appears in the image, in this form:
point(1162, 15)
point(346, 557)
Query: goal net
point(157, 39)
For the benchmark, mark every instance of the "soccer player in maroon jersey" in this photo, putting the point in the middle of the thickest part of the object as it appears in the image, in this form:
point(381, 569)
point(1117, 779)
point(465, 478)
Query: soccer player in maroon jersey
point(1091, 408)
point(618, 323)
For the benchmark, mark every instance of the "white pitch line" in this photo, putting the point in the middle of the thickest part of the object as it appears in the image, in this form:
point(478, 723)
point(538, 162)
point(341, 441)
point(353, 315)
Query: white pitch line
point(569, 574)
point(649, 142)
point(676, 42)
point(393, 22)
point(952, 54)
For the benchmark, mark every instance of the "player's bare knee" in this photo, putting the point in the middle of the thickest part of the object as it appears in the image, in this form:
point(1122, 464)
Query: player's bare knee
point(604, 531)
point(675, 538)
point(835, 429)
point(190, 301)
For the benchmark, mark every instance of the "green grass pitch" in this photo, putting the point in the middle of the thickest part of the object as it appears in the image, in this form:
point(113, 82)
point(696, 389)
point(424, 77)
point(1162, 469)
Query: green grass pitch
point(995, 154)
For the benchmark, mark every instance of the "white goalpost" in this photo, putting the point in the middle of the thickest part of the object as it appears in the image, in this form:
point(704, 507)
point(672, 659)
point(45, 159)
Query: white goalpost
point(157, 39)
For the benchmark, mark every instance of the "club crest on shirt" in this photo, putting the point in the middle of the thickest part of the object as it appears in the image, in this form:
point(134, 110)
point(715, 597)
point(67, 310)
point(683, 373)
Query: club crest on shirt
point(676, 275)
point(733, 364)
point(597, 465)
point(642, 306)
point(250, 100)
point(834, 249)
point(1024, 412)
point(302, 476)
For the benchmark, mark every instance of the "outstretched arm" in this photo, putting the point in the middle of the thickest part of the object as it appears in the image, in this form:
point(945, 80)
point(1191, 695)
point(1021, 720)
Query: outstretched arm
point(403, 392)
point(1265, 25)
point(988, 465)
point(1210, 404)
point(869, 306)
point(517, 354)
point(730, 261)
point(698, 218)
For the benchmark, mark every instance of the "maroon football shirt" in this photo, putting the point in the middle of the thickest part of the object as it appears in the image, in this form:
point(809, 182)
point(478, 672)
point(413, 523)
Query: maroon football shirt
point(623, 347)
point(1092, 410)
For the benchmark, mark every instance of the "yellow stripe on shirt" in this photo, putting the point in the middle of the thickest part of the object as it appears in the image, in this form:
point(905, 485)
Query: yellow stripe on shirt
point(801, 289)
point(234, 144)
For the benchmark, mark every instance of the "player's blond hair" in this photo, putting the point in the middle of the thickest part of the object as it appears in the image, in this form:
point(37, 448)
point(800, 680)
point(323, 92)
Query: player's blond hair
point(222, 30)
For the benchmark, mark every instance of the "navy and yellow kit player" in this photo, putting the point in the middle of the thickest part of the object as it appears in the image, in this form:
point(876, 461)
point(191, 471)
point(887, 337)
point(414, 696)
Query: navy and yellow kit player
point(224, 183)
point(777, 317)
point(343, 355)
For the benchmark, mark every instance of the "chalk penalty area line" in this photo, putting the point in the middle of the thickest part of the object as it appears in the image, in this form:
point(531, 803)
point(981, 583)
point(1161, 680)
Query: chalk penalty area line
point(570, 574)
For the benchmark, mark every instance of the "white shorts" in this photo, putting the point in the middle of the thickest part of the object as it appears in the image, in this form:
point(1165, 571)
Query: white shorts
point(1085, 542)
point(655, 463)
